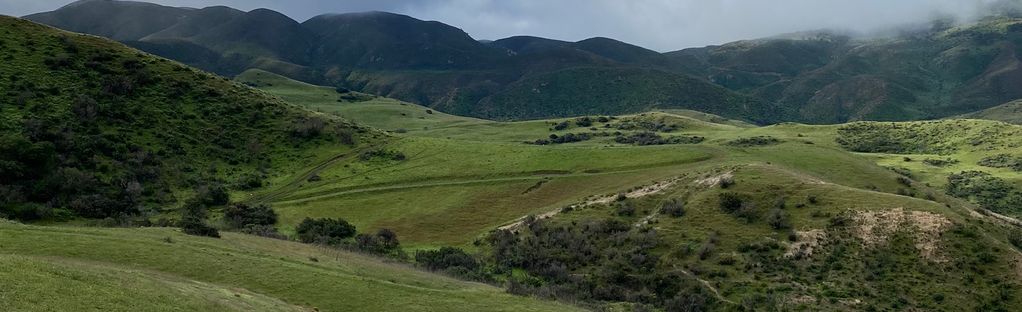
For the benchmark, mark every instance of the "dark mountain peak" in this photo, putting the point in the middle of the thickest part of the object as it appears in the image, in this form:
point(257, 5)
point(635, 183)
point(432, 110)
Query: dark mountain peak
point(528, 44)
point(271, 14)
point(389, 40)
point(118, 20)
point(621, 52)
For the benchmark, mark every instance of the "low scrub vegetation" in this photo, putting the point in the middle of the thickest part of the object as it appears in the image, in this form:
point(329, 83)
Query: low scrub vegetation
point(650, 138)
point(754, 141)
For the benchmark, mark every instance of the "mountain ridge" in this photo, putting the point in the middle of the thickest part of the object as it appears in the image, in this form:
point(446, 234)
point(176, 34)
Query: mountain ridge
point(815, 77)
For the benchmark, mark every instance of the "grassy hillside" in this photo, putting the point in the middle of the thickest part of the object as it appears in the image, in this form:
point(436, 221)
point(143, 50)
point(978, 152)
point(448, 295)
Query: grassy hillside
point(807, 231)
point(163, 270)
point(671, 210)
point(93, 128)
point(1010, 112)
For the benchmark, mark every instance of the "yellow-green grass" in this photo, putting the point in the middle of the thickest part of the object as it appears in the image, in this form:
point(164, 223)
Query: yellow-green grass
point(160, 269)
point(34, 283)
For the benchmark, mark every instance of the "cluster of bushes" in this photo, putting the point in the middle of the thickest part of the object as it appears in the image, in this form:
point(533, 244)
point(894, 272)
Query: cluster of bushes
point(1002, 161)
point(340, 233)
point(987, 191)
point(593, 261)
point(354, 97)
point(896, 138)
point(451, 261)
point(380, 153)
point(939, 162)
point(651, 126)
point(650, 138)
point(754, 141)
point(566, 138)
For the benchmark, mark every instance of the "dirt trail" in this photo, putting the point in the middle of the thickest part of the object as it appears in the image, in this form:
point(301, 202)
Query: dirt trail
point(635, 193)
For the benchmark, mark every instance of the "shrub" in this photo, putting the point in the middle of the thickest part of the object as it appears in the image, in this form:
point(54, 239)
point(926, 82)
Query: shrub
point(212, 194)
point(198, 227)
point(447, 259)
point(650, 138)
point(707, 250)
point(754, 141)
point(193, 220)
point(625, 209)
point(308, 127)
point(673, 207)
point(250, 181)
point(561, 126)
point(990, 192)
point(379, 153)
point(584, 122)
point(264, 231)
point(240, 215)
point(384, 241)
point(1015, 237)
point(904, 181)
point(730, 202)
point(1002, 161)
point(778, 220)
point(324, 231)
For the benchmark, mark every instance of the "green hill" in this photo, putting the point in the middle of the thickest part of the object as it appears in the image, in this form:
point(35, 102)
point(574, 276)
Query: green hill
point(669, 210)
point(93, 128)
point(53, 268)
point(815, 219)
point(1010, 112)
point(397, 56)
point(816, 77)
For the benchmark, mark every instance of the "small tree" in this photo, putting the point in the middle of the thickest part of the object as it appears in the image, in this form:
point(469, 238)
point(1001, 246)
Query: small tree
point(325, 231)
point(730, 202)
point(673, 207)
point(778, 219)
point(240, 215)
point(193, 220)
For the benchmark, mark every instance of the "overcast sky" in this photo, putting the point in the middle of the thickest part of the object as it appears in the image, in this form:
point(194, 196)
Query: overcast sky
point(662, 25)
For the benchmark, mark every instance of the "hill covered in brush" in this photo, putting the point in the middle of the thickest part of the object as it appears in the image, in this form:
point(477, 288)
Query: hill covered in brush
point(424, 62)
point(816, 77)
point(93, 128)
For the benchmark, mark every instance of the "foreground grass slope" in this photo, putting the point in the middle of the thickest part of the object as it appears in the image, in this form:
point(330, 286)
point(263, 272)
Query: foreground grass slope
point(163, 270)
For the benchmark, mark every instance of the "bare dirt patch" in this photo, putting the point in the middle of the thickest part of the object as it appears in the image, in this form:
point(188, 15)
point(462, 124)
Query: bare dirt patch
point(876, 228)
point(806, 242)
point(715, 180)
point(642, 191)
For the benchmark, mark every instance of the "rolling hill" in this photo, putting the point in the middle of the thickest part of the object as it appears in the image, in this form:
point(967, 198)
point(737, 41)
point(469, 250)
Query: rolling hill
point(94, 128)
point(424, 62)
point(652, 207)
point(842, 217)
point(816, 77)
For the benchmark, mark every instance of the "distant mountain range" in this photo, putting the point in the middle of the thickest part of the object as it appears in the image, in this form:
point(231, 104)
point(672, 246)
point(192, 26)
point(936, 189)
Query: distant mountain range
point(818, 77)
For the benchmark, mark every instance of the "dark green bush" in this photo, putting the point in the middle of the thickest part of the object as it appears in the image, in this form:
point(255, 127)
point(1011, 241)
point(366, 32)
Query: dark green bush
point(241, 215)
point(324, 231)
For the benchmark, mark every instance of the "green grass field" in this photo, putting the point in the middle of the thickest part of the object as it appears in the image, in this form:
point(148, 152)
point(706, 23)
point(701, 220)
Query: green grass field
point(463, 177)
point(459, 179)
point(47, 268)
